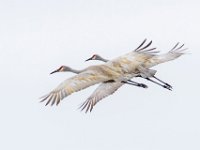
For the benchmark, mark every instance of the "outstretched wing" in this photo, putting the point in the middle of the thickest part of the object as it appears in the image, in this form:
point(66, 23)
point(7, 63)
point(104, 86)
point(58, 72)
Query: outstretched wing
point(174, 53)
point(102, 91)
point(73, 84)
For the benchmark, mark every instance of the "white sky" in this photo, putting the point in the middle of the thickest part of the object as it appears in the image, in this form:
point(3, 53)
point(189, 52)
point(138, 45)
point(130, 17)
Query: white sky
point(38, 36)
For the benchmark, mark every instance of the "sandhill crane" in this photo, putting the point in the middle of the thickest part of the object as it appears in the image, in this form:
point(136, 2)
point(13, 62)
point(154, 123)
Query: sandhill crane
point(89, 76)
point(107, 89)
point(103, 90)
point(105, 85)
point(115, 71)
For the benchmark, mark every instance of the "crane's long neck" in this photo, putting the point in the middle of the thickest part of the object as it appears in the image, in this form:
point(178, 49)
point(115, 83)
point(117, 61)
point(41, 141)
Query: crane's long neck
point(103, 59)
point(76, 71)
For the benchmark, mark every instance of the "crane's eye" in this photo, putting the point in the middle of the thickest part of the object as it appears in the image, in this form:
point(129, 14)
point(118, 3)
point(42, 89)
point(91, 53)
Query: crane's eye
point(61, 68)
point(94, 56)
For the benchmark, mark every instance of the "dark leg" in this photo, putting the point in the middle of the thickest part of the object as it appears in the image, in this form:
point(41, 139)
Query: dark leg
point(135, 83)
point(163, 82)
point(164, 86)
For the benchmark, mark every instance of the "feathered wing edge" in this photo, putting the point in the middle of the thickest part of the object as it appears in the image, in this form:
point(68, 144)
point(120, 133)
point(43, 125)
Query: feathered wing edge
point(174, 53)
point(145, 48)
point(102, 91)
point(71, 85)
point(179, 49)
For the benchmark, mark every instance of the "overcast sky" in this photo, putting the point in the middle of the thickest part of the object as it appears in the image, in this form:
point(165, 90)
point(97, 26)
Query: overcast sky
point(37, 37)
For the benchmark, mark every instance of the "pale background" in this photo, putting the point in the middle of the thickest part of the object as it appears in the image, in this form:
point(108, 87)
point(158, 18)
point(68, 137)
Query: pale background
point(38, 36)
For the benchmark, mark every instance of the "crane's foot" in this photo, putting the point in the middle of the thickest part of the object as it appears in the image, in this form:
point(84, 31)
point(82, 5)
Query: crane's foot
point(168, 87)
point(142, 85)
point(135, 83)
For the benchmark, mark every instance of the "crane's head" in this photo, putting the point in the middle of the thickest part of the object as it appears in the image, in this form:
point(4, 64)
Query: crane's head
point(61, 69)
point(96, 57)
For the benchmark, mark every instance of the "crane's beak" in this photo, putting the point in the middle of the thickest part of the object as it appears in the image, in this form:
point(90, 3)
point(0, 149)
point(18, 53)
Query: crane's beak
point(57, 70)
point(88, 59)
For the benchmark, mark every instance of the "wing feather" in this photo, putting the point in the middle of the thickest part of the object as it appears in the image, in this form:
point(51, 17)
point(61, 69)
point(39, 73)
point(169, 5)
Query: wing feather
point(60, 97)
point(73, 84)
point(102, 91)
point(55, 99)
point(174, 53)
point(145, 49)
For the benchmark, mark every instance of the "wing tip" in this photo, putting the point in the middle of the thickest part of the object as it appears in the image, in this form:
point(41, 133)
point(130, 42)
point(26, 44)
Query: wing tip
point(143, 48)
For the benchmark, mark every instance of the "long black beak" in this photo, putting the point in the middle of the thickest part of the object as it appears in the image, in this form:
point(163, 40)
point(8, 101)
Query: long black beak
point(57, 70)
point(88, 59)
